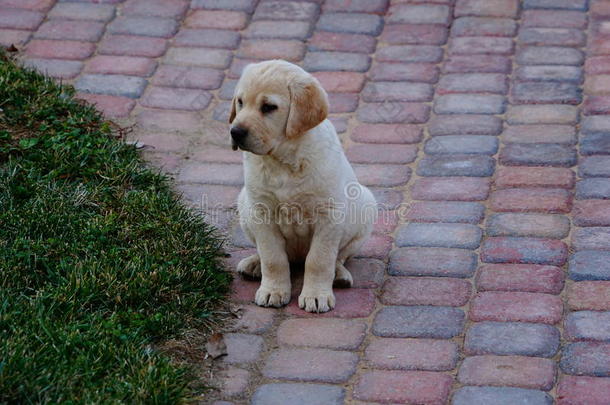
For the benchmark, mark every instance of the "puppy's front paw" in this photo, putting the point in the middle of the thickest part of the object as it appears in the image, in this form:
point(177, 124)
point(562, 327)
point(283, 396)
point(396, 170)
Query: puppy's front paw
point(272, 297)
point(317, 301)
point(250, 267)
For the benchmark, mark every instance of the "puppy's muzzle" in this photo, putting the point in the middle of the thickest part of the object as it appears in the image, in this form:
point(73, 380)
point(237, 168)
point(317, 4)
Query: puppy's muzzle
point(238, 136)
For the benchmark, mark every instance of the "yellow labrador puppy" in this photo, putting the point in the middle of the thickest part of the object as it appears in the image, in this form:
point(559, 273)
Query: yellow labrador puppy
point(301, 200)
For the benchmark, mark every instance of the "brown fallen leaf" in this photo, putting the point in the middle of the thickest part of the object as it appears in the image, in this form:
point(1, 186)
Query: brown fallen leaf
point(236, 310)
point(216, 346)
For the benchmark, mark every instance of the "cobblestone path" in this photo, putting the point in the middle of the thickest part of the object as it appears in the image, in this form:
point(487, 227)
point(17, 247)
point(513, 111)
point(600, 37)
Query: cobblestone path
point(483, 128)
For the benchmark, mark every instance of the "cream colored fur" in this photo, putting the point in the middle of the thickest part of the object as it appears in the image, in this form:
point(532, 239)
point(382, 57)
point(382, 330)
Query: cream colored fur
point(301, 200)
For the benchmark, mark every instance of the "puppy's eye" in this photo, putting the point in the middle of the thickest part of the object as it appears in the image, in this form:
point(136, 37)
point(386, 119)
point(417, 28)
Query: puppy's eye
point(240, 102)
point(267, 108)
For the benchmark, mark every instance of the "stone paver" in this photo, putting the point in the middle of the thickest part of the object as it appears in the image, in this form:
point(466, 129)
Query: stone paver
point(271, 394)
point(403, 387)
point(311, 365)
point(500, 395)
point(412, 354)
point(513, 371)
point(481, 126)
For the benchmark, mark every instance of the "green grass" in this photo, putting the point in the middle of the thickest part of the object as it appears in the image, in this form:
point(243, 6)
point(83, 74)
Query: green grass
point(98, 258)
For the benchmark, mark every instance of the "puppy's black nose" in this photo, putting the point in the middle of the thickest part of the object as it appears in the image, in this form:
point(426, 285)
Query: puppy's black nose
point(238, 134)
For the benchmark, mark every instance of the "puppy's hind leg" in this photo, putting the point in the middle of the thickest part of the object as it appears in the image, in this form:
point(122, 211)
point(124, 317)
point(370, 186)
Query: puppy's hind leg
point(250, 267)
point(343, 278)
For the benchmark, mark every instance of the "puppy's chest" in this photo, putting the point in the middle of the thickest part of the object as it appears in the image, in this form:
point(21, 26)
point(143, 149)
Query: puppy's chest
point(298, 204)
point(296, 216)
point(294, 206)
point(297, 199)
point(290, 190)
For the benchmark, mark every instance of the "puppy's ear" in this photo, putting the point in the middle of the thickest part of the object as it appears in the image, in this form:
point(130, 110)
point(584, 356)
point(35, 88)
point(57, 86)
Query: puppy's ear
point(308, 107)
point(233, 111)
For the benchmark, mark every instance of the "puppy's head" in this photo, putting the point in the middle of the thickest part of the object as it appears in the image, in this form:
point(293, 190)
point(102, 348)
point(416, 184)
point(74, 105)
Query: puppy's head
point(274, 101)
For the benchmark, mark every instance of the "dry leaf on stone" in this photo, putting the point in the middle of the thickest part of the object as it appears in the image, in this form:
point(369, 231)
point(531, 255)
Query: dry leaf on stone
point(216, 346)
point(236, 310)
point(136, 144)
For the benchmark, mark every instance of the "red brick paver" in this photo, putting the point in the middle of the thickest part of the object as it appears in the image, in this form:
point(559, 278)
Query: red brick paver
point(481, 126)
